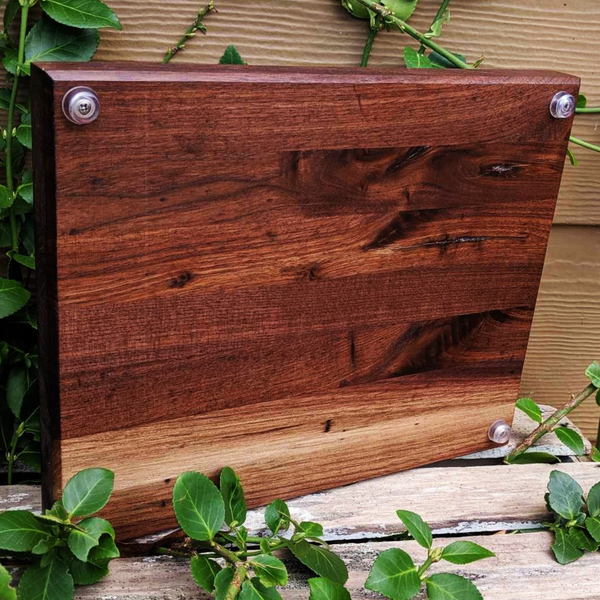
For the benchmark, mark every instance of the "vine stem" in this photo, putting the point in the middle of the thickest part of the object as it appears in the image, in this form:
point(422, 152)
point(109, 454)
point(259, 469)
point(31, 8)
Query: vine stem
point(441, 11)
point(585, 144)
point(548, 425)
point(10, 126)
point(369, 45)
point(417, 35)
point(189, 32)
point(11, 458)
point(233, 591)
point(590, 110)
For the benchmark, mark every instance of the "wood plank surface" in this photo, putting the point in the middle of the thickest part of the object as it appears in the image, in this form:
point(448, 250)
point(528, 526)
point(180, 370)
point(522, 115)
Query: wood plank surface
point(288, 293)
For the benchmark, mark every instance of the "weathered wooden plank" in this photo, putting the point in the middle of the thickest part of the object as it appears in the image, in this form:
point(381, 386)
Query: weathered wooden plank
point(523, 569)
point(565, 335)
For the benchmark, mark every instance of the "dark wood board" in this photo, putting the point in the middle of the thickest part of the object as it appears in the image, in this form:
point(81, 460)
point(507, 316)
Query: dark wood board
point(315, 276)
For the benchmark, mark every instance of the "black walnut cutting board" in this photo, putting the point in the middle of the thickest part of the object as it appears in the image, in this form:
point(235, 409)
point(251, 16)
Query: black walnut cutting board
point(315, 276)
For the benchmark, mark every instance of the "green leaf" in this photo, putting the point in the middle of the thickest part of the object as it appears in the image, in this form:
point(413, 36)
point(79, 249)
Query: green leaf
point(17, 384)
point(571, 439)
point(441, 61)
point(24, 131)
point(231, 57)
point(322, 588)
point(572, 158)
point(419, 530)
point(394, 575)
point(269, 570)
point(48, 40)
point(10, 12)
point(81, 542)
point(7, 592)
point(88, 492)
point(447, 586)
point(83, 14)
point(222, 580)
point(593, 373)
point(463, 553)
point(20, 531)
point(198, 506)
point(595, 455)
point(592, 524)
point(45, 545)
point(25, 190)
point(10, 60)
point(50, 582)
point(6, 199)
point(598, 397)
point(26, 261)
point(31, 456)
point(566, 495)
point(86, 573)
point(253, 589)
point(5, 94)
point(564, 549)
point(593, 501)
point(403, 9)
point(529, 458)
point(233, 497)
point(277, 516)
point(581, 101)
point(204, 571)
point(582, 540)
point(414, 60)
point(530, 408)
point(320, 560)
point(310, 529)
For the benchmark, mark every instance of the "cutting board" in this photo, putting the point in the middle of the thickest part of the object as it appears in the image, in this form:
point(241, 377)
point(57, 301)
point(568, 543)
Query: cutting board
point(315, 276)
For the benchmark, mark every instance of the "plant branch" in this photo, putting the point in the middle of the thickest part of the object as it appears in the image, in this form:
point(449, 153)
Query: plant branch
point(369, 45)
point(590, 110)
point(241, 570)
point(550, 423)
point(226, 554)
point(10, 126)
point(585, 144)
point(417, 35)
point(190, 32)
point(438, 15)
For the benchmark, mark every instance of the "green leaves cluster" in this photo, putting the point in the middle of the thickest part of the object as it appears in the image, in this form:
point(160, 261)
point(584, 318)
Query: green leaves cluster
point(67, 546)
point(66, 31)
point(576, 524)
point(395, 575)
point(214, 519)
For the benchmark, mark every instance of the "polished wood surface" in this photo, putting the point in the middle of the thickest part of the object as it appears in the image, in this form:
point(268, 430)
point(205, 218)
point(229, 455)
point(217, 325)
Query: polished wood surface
point(313, 275)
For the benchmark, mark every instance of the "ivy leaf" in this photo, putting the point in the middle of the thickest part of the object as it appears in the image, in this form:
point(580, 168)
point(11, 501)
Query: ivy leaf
point(83, 14)
point(582, 540)
point(592, 524)
point(593, 501)
point(581, 101)
point(414, 60)
point(204, 571)
point(81, 542)
point(277, 516)
point(593, 373)
point(6, 198)
point(20, 531)
point(571, 439)
point(270, 570)
point(222, 580)
point(463, 553)
point(447, 586)
point(394, 575)
point(564, 549)
point(49, 40)
point(419, 530)
point(530, 408)
point(198, 506)
point(88, 492)
point(231, 56)
point(529, 458)
point(50, 582)
point(233, 497)
point(17, 384)
point(322, 588)
point(320, 560)
point(253, 589)
point(24, 131)
point(565, 495)
point(7, 592)
point(310, 529)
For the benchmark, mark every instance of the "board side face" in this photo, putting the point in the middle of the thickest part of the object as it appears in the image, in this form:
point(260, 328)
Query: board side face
point(312, 276)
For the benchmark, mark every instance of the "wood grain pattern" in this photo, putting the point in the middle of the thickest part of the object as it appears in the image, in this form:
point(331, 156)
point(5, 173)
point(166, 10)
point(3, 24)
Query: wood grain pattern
point(281, 288)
